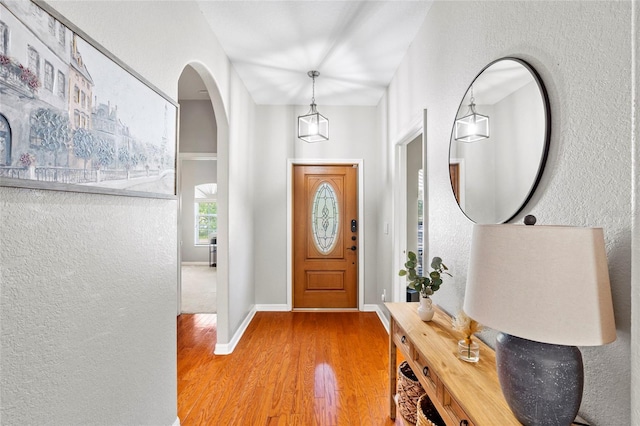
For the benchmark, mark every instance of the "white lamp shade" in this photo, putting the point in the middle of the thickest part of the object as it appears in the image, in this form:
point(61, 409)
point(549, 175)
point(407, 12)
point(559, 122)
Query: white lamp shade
point(548, 284)
point(313, 127)
point(471, 128)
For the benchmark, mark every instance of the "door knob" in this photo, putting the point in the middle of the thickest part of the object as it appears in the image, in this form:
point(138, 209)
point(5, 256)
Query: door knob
point(352, 248)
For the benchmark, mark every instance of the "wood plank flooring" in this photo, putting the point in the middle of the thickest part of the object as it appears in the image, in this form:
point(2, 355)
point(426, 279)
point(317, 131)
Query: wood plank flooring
point(290, 368)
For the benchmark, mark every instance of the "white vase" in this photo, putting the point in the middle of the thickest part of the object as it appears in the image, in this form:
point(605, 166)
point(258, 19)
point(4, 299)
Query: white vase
point(425, 310)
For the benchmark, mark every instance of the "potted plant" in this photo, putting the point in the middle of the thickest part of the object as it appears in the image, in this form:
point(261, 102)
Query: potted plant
point(28, 161)
point(426, 286)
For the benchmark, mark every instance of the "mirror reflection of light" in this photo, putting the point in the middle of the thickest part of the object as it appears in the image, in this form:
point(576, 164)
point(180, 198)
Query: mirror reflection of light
point(473, 129)
point(325, 383)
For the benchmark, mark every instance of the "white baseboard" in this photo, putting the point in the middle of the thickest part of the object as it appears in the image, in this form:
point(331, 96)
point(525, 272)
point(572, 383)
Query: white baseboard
point(177, 422)
point(273, 307)
point(227, 348)
point(383, 318)
point(195, 263)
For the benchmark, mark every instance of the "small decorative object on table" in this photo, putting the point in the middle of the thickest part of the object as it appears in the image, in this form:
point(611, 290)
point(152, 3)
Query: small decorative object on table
point(468, 350)
point(426, 286)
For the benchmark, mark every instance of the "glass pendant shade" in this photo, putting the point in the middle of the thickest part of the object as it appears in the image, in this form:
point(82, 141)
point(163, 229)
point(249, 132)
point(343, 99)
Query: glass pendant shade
point(313, 127)
point(472, 127)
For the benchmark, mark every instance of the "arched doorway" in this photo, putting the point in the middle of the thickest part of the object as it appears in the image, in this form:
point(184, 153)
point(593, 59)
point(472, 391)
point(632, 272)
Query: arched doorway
point(5, 141)
point(207, 91)
point(197, 178)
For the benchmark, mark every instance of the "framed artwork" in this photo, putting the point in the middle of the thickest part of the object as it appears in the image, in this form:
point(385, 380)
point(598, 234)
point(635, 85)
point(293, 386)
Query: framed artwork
point(75, 118)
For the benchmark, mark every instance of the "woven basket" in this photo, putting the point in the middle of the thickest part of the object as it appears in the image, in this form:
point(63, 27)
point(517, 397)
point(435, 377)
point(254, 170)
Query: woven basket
point(409, 391)
point(427, 413)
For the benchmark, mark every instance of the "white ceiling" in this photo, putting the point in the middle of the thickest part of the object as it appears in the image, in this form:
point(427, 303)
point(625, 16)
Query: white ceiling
point(356, 45)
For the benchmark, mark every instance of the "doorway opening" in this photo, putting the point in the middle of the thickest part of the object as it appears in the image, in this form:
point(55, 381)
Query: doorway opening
point(199, 226)
point(410, 205)
point(197, 189)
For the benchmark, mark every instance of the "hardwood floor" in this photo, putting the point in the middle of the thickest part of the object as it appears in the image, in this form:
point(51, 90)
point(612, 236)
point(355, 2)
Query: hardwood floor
point(290, 368)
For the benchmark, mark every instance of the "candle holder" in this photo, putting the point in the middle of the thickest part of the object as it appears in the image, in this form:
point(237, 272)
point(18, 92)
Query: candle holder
point(469, 352)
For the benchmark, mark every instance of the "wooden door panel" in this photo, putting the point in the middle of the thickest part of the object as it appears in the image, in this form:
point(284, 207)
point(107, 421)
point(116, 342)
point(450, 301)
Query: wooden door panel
point(325, 280)
point(325, 266)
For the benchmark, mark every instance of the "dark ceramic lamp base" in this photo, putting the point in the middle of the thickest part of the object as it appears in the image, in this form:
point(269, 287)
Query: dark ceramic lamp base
point(542, 383)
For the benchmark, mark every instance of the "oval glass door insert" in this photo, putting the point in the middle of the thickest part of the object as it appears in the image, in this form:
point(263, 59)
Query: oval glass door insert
point(325, 216)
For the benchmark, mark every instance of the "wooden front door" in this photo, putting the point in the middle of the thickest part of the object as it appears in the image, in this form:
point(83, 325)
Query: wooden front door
point(325, 236)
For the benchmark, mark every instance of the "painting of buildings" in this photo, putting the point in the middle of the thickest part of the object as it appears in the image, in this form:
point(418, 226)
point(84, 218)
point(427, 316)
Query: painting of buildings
point(71, 115)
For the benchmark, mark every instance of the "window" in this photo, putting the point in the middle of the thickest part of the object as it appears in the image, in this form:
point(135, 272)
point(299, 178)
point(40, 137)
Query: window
point(61, 33)
point(4, 38)
point(34, 61)
point(83, 98)
point(76, 118)
point(206, 213)
point(325, 218)
point(48, 76)
point(61, 84)
point(206, 221)
point(52, 25)
point(76, 94)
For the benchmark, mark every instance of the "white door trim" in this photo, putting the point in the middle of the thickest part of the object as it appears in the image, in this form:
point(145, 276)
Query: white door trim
point(400, 206)
point(361, 234)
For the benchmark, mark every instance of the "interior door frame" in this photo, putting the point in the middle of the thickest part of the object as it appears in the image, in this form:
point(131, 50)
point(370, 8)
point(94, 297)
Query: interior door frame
point(291, 162)
point(418, 128)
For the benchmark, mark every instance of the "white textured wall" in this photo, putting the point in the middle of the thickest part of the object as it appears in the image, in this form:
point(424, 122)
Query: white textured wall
point(198, 131)
point(103, 299)
point(87, 308)
point(635, 281)
point(353, 135)
point(272, 148)
point(587, 181)
point(242, 254)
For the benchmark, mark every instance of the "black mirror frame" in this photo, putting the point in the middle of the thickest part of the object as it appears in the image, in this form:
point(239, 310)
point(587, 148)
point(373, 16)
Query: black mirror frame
point(547, 132)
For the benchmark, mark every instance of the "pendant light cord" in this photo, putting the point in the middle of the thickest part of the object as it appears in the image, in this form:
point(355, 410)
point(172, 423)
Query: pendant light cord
point(472, 103)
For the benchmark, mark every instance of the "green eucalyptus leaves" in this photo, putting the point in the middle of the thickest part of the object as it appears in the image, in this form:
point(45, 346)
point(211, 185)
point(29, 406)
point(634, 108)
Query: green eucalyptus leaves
point(425, 285)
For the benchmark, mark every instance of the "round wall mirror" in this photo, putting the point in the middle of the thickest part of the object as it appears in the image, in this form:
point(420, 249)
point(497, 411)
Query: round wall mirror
point(499, 141)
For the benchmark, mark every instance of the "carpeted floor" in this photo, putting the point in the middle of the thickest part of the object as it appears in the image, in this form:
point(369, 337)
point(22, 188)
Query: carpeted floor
point(199, 285)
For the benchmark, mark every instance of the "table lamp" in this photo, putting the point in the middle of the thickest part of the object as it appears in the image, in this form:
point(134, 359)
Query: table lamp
point(546, 290)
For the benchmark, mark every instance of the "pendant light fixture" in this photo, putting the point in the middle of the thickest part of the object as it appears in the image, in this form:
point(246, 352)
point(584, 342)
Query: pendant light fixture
point(472, 127)
point(313, 126)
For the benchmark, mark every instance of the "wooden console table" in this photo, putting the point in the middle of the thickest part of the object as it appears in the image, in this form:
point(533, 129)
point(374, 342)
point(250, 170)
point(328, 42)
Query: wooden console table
point(465, 394)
